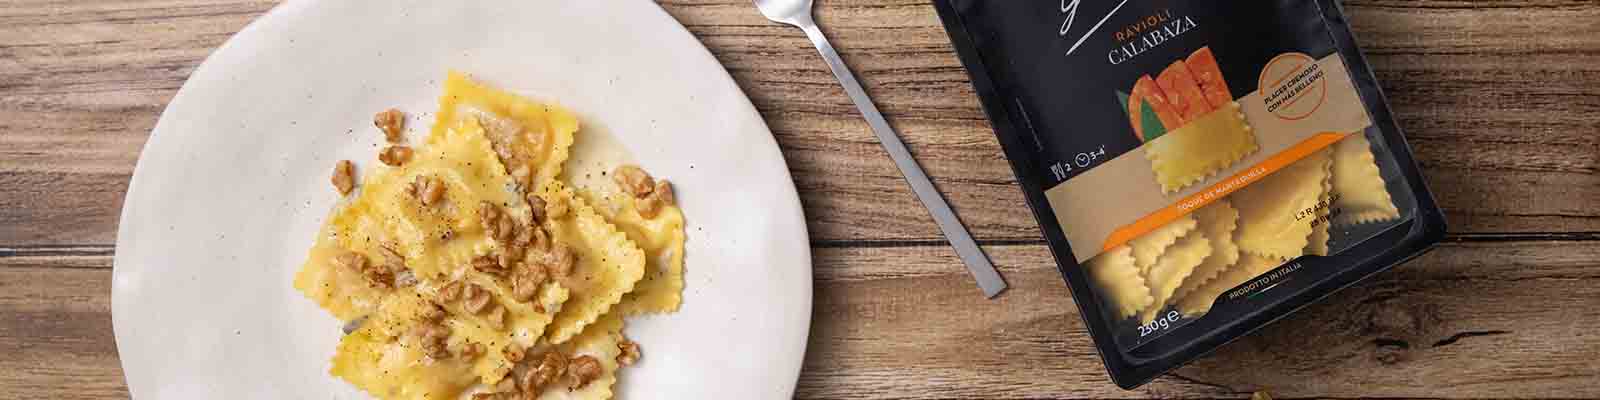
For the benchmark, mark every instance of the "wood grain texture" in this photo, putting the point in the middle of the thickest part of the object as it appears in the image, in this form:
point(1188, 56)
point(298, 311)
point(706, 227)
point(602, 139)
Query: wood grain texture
point(1499, 122)
point(1469, 320)
point(1499, 99)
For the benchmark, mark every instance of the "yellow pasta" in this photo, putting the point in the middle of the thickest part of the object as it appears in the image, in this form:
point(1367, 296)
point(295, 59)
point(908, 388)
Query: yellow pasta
point(1170, 270)
point(1199, 301)
point(1272, 220)
point(344, 292)
point(1317, 243)
point(608, 263)
point(1202, 147)
point(661, 238)
point(1119, 282)
point(1362, 196)
point(384, 359)
point(1217, 222)
point(600, 340)
point(531, 139)
point(1147, 248)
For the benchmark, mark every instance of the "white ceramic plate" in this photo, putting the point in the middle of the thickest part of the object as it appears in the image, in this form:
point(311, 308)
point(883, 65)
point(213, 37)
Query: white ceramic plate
point(234, 181)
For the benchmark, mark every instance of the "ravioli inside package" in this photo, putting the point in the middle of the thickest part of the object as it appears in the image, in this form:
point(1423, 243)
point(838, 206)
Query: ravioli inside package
point(1199, 169)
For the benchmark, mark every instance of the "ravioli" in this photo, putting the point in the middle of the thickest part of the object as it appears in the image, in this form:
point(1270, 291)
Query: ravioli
point(384, 360)
point(1199, 301)
point(660, 290)
point(532, 139)
point(1362, 195)
point(1148, 248)
point(1119, 281)
point(1218, 222)
point(1210, 143)
point(599, 340)
point(1168, 273)
point(1317, 244)
point(1271, 211)
point(608, 263)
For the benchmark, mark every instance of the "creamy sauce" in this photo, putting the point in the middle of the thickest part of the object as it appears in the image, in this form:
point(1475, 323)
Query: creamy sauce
point(593, 155)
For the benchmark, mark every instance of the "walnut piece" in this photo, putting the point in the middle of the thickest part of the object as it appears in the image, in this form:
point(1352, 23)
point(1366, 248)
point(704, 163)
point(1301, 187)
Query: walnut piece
point(393, 124)
point(630, 352)
point(514, 352)
point(651, 204)
point(633, 180)
point(525, 284)
point(584, 369)
point(489, 264)
point(536, 204)
point(344, 176)
point(475, 298)
point(496, 317)
point(472, 350)
point(377, 275)
point(392, 260)
point(431, 335)
point(450, 291)
point(497, 223)
point(558, 261)
point(551, 367)
point(428, 190)
point(395, 156)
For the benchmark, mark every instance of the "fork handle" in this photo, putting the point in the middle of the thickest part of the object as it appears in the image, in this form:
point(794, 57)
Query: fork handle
point(978, 263)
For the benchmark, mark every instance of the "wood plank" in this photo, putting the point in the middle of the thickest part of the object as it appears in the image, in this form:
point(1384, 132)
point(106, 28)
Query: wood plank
point(1499, 121)
point(55, 329)
point(1467, 320)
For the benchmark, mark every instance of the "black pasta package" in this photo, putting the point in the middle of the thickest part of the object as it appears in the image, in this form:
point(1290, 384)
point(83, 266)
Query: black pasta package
point(1199, 168)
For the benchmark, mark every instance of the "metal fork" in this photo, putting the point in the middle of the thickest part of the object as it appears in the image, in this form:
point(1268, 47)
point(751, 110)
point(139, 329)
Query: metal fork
point(798, 13)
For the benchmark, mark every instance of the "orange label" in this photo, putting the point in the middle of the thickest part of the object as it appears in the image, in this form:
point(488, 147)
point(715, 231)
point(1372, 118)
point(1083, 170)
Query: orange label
point(1222, 189)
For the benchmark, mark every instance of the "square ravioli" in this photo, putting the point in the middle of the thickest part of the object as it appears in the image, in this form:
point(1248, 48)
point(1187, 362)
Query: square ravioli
point(1199, 149)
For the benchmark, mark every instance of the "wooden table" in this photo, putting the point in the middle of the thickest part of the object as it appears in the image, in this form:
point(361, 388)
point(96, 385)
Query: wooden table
point(1501, 100)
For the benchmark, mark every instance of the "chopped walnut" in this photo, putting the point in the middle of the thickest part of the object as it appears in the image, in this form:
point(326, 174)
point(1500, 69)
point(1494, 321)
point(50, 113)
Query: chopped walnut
point(431, 336)
point(584, 369)
point(472, 350)
point(377, 275)
point(475, 298)
point(433, 313)
point(559, 261)
point(551, 367)
point(525, 284)
point(514, 352)
point(630, 352)
point(496, 222)
point(450, 291)
point(392, 260)
point(392, 122)
point(405, 278)
point(344, 176)
point(489, 264)
point(427, 189)
point(651, 204)
point(509, 257)
point(537, 206)
point(633, 180)
point(395, 156)
point(496, 318)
